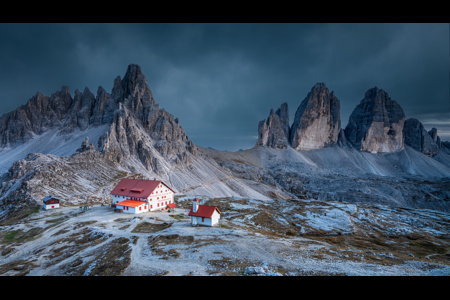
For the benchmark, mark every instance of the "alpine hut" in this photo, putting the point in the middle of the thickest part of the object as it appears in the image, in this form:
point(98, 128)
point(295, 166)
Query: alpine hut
point(141, 195)
point(50, 202)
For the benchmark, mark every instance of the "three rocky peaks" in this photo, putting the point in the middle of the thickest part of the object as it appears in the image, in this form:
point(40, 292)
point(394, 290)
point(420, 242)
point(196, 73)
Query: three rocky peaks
point(376, 125)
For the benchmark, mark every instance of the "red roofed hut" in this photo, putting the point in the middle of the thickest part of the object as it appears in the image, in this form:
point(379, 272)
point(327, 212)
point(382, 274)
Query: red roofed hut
point(141, 195)
point(204, 214)
point(50, 202)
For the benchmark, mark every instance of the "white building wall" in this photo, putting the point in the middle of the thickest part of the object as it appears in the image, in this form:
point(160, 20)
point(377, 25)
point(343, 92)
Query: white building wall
point(160, 196)
point(49, 206)
point(143, 209)
point(117, 198)
point(134, 210)
point(206, 221)
point(129, 211)
point(215, 218)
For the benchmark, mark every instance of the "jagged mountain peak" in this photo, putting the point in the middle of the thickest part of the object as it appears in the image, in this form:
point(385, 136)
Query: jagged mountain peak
point(376, 124)
point(134, 82)
point(130, 110)
point(274, 132)
point(319, 86)
point(317, 120)
point(419, 139)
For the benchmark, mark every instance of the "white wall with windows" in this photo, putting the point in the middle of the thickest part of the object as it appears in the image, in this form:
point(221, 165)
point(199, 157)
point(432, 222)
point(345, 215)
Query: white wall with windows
point(134, 210)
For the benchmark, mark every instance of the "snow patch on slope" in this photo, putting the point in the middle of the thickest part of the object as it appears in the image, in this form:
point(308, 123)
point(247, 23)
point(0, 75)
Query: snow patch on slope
point(50, 142)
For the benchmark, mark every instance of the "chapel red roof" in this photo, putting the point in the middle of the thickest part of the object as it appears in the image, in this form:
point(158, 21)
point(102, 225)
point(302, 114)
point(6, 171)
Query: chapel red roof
point(140, 188)
point(205, 211)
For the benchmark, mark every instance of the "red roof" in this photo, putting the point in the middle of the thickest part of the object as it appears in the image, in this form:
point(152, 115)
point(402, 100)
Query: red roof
point(204, 211)
point(132, 203)
point(171, 205)
point(140, 188)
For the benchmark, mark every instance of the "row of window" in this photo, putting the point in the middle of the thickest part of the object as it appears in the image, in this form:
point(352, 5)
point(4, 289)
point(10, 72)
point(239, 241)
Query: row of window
point(134, 198)
point(162, 203)
point(157, 192)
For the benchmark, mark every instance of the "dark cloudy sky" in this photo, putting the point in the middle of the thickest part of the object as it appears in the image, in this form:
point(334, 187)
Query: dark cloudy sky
point(220, 80)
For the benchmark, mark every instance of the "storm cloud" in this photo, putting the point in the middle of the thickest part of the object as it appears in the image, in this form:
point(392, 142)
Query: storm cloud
point(220, 80)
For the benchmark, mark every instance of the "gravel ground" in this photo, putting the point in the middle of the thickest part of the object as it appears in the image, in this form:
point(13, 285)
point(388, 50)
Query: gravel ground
point(253, 238)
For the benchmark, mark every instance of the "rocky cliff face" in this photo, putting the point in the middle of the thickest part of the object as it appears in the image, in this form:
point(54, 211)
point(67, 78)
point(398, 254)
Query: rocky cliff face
point(376, 124)
point(138, 127)
point(419, 139)
point(317, 121)
point(59, 111)
point(274, 132)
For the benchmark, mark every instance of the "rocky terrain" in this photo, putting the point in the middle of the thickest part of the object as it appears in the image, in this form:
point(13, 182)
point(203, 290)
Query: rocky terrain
point(403, 179)
point(299, 237)
point(379, 157)
point(385, 178)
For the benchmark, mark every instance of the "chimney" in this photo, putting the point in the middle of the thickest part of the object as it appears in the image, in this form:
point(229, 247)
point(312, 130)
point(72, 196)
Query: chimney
point(195, 205)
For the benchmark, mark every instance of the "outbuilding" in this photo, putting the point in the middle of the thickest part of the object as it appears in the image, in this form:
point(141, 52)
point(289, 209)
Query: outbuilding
point(204, 214)
point(132, 206)
point(50, 202)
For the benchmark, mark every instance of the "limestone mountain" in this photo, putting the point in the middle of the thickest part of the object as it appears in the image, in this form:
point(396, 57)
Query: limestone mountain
point(376, 124)
point(138, 126)
point(317, 120)
point(128, 109)
point(419, 139)
point(274, 132)
point(316, 124)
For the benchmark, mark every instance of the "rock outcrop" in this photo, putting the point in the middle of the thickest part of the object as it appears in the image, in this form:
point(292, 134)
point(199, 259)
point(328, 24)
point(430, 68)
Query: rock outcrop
point(419, 139)
point(274, 132)
point(317, 121)
point(376, 124)
point(85, 146)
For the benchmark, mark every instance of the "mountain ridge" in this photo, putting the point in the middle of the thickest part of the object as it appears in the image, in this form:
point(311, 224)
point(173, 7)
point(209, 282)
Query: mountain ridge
point(128, 132)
